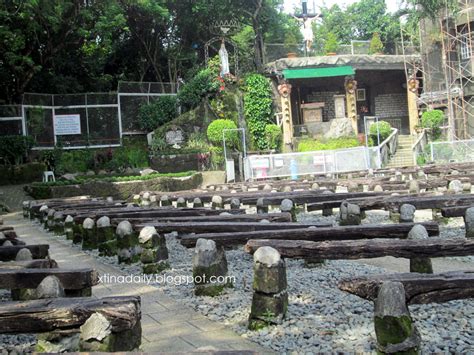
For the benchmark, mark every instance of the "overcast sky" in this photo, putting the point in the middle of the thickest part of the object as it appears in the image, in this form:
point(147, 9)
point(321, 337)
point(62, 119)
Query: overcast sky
point(392, 5)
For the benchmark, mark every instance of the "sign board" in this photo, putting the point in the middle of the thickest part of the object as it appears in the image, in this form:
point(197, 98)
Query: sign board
point(67, 125)
point(260, 163)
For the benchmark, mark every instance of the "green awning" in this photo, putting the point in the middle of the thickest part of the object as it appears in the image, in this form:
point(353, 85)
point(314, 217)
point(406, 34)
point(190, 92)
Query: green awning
point(308, 73)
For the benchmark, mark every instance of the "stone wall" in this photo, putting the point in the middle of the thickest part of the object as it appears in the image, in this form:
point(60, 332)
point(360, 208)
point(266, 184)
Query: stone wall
point(329, 111)
point(175, 163)
point(391, 106)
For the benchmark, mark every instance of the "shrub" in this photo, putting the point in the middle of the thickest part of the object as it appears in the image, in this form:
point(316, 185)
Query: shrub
point(309, 145)
point(331, 45)
point(376, 45)
point(74, 161)
point(216, 129)
point(23, 173)
point(433, 120)
point(191, 93)
point(157, 113)
point(258, 108)
point(273, 136)
point(382, 128)
point(13, 149)
point(217, 158)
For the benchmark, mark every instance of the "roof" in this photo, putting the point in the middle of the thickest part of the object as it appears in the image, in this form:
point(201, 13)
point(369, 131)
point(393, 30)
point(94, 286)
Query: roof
point(327, 72)
point(358, 62)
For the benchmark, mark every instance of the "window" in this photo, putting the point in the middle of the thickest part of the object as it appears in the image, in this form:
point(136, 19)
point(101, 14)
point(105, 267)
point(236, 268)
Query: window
point(466, 42)
point(360, 94)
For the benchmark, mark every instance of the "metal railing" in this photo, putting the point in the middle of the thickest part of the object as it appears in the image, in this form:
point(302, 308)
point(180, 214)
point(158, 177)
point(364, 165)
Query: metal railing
point(458, 151)
point(418, 147)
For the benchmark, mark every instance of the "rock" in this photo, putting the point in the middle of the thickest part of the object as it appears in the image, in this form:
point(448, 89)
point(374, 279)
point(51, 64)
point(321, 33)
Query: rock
point(339, 127)
point(96, 327)
point(124, 228)
point(421, 265)
point(181, 202)
point(24, 255)
point(68, 177)
point(7, 243)
point(90, 173)
point(414, 187)
point(262, 207)
point(455, 172)
point(466, 187)
point(234, 204)
point(165, 201)
point(394, 326)
point(455, 186)
point(267, 187)
point(197, 202)
point(109, 199)
point(148, 171)
point(407, 213)
point(146, 234)
point(349, 214)
point(217, 202)
point(287, 189)
point(352, 186)
point(288, 206)
point(469, 222)
point(327, 211)
point(50, 287)
point(267, 256)
point(378, 188)
point(146, 196)
point(103, 222)
point(315, 186)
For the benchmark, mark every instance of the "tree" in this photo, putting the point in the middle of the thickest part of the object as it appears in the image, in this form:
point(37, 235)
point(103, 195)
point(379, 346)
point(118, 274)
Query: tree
point(331, 45)
point(376, 45)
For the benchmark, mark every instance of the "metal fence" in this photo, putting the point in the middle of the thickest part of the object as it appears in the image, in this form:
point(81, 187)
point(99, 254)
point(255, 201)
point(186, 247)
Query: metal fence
point(452, 152)
point(101, 118)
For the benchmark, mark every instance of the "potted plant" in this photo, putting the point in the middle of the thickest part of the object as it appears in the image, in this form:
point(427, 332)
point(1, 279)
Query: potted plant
point(331, 45)
point(376, 45)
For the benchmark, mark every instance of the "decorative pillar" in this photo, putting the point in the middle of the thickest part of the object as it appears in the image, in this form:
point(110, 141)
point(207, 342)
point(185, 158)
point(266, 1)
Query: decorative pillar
point(287, 120)
point(351, 101)
point(412, 97)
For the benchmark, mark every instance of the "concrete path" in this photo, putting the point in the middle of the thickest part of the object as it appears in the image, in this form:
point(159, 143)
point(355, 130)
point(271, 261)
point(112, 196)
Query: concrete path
point(167, 326)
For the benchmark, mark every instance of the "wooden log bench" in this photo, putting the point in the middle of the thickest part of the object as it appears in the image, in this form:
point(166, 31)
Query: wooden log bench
point(313, 234)
point(66, 315)
point(419, 288)
point(29, 264)
point(457, 211)
point(359, 249)
point(38, 251)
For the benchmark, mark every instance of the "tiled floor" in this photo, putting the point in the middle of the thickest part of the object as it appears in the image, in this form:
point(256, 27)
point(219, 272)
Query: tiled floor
point(167, 326)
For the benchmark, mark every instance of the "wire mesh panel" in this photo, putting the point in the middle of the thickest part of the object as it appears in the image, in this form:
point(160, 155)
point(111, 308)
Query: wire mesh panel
point(129, 109)
point(39, 125)
point(455, 151)
point(11, 120)
point(104, 127)
point(296, 164)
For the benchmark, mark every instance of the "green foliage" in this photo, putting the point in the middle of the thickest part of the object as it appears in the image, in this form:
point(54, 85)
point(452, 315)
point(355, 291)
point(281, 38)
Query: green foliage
point(433, 120)
point(191, 93)
point(376, 45)
point(157, 113)
point(74, 161)
point(273, 136)
point(258, 108)
point(310, 145)
point(197, 142)
point(22, 174)
point(380, 130)
point(331, 45)
point(217, 157)
point(13, 149)
point(215, 132)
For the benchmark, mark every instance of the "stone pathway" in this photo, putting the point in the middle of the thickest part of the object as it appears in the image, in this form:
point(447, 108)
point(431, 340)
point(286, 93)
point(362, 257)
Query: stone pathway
point(167, 326)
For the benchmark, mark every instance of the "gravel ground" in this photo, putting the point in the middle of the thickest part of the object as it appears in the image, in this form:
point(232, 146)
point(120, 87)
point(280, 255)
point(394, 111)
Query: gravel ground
point(320, 317)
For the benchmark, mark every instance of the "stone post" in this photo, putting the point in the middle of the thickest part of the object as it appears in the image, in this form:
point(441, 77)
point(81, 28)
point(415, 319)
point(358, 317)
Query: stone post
point(286, 188)
point(262, 207)
point(267, 187)
point(106, 242)
point(315, 186)
point(209, 261)
point(77, 233)
point(58, 220)
point(43, 216)
point(145, 201)
point(469, 222)
point(327, 211)
point(393, 324)
point(413, 187)
point(352, 186)
point(288, 206)
point(154, 255)
point(217, 203)
point(25, 208)
point(50, 222)
point(197, 202)
point(234, 204)
point(181, 202)
point(68, 227)
point(349, 214)
point(89, 236)
point(378, 188)
point(136, 199)
point(127, 243)
point(270, 298)
point(421, 265)
point(153, 201)
point(455, 187)
point(165, 201)
point(407, 213)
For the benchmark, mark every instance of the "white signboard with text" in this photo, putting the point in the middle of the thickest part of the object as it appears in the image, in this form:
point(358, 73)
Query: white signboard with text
point(67, 125)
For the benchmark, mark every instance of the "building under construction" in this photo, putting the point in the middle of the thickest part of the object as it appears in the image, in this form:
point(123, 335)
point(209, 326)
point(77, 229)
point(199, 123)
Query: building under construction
point(444, 78)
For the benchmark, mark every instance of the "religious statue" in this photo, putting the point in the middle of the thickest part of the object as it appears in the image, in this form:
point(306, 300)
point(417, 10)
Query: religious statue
point(224, 60)
point(307, 29)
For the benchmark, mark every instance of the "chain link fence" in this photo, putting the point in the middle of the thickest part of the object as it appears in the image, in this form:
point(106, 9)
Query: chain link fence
point(452, 152)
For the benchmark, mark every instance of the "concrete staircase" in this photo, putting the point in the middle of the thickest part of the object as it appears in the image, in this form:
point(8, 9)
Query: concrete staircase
point(404, 154)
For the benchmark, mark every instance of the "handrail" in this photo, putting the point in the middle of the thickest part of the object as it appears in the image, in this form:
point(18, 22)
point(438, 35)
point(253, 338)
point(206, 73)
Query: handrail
point(418, 143)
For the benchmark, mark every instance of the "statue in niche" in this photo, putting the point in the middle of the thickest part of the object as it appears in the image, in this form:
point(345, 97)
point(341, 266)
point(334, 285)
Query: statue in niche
point(224, 60)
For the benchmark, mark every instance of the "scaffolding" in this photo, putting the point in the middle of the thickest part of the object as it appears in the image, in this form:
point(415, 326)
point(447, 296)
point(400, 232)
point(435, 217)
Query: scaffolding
point(444, 75)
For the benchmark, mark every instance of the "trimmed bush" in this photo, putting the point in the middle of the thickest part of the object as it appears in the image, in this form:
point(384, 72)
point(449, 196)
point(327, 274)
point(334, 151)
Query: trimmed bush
point(273, 136)
point(191, 93)
point(157, 113)
point(310, 145)
point(376, 45)
point(433, 120)
point(216, 129)
point(382, 128)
